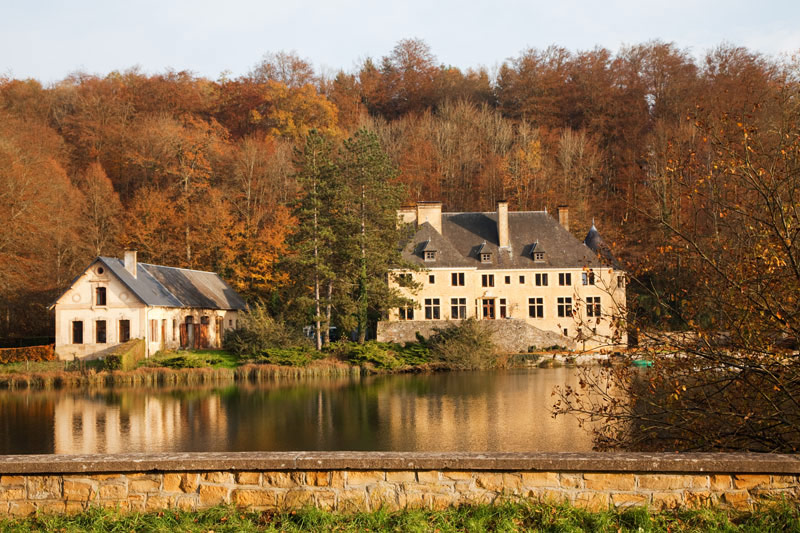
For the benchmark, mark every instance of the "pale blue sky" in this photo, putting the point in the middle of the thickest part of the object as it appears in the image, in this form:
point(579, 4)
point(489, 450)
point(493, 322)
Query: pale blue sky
point(48, 40)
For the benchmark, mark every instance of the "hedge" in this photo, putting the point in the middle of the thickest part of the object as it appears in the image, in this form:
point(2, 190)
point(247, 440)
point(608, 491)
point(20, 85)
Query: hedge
point(29, 353)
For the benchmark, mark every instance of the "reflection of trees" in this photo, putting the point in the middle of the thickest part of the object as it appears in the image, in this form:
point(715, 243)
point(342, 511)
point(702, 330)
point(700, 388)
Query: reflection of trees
point(26, 423)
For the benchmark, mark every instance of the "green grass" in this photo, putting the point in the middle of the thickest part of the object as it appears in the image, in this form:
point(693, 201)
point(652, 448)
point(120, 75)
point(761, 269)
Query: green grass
point(506, 517)
point(192, 359)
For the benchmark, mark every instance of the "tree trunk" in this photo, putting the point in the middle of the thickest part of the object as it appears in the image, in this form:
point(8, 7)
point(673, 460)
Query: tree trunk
point(362, 282)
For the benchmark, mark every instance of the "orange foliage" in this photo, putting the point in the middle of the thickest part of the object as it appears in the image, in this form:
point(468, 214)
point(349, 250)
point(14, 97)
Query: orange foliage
point(29, 353)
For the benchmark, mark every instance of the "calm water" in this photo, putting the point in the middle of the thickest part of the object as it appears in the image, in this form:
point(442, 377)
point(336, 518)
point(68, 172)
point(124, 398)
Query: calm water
point(469, 411)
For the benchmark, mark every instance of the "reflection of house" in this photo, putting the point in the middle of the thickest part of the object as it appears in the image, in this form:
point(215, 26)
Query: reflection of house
point(115, 300)
point(507, 265)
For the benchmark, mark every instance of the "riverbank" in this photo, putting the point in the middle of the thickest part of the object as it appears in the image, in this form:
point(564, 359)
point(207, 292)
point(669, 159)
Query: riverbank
point(505, 517)
point(219, 366)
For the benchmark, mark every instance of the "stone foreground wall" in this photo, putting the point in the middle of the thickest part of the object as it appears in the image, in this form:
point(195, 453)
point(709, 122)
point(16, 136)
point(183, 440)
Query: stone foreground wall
point(353, 481)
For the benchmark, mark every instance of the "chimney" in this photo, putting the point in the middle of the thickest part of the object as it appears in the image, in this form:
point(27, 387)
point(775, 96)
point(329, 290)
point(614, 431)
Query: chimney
point(502, 224)
point(407, 214)
point(130, 262)
point(430, 212)
point(563, 216)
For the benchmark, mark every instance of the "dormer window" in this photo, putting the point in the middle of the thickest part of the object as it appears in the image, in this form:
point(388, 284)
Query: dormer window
point(538, 256)
point(486, 258)
point(429, 255)
point(537, 253)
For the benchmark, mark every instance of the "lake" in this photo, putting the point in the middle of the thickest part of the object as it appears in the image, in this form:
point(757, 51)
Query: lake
point(505, 411)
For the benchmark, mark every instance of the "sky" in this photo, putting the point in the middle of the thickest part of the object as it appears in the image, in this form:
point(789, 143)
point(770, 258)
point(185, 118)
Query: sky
point(48, 40)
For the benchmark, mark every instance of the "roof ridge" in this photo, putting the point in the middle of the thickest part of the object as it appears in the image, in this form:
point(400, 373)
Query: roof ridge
point(180, 268)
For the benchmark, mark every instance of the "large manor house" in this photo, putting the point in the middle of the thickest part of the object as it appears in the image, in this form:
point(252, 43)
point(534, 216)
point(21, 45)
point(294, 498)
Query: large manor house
point(513, 266)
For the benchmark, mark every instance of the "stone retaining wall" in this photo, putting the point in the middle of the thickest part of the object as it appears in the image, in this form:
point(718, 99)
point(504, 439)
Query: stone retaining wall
point(351, 481)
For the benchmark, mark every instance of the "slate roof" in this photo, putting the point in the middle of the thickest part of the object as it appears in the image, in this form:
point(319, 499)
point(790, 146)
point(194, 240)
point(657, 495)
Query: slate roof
point(161, 286)
point(595, 243)
point(466, 235)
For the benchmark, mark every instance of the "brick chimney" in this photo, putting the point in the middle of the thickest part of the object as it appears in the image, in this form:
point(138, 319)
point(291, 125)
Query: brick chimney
point(430, 212)
point(130, 262)
point(563, 216)
point(502, 224)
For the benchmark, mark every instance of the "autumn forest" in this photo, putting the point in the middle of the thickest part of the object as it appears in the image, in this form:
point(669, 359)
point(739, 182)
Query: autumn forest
point(648, 141)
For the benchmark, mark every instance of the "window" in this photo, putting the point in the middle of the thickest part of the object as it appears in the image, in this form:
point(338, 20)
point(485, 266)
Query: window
point(204, 320)
point(100, 332)
point(486, 258)
point(587, 278)
point(153, 330)
point(540, 280)
point(430, 255)
point(538, 256)
point(457, 279)
point(100, 296)
point(564, 279)
point(487, 280)
point(536, 307)
point(124, 330)
point(432, 309)
point(508, 280)
point(406, 312)
point(458, 308)
point(621, 282)
point(174, 329)
point(522, 280)
point(502, 308)
point(564, 306)
point(230, 323)
point(77, 332)
point(431, 279)
point(488, 308)
point(593, 306)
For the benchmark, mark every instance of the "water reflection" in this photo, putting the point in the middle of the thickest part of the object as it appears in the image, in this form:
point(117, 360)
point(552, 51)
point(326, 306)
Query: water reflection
point(470, 411)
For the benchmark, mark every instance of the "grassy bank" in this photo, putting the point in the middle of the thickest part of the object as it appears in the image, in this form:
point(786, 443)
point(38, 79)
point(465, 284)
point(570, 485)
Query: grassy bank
point(507, 517)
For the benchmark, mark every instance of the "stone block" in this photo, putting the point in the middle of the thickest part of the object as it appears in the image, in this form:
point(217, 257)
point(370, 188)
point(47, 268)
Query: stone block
point(477, 497)
point(218, 477)
point(400, 476)
point(106, 477)
point(492, 481)
point(667, 500)
point(144, 485)
point(325, 499)
point(438, 502)
point(623, 500)
point(184, 503)
point(318, 479)
point(75, 507)
point(12, 481)
point(190, 482)
point(337, 479)
point(456, 476)
point(512, 483)
point(783, 482)
point(297, 498)
point(696, 499)
point(279, 480)
point(383, 496)
point(719, 482)
point(671, 482)
point(172, 482)
point(78, 490)
point(248, 478)
point(539, 479)
point(570, 481)
point(44, 487)
point(428, 476)
point(610, 482)
point(211, 495)
point(592, 501)
point(254, 498)
point(749, 481)
point(156, 502)
point(365, 477)
point(21, 508)
point(12, 494)
point(738, 499)
point(352, 500)
point(112, 491)
point(51, 506)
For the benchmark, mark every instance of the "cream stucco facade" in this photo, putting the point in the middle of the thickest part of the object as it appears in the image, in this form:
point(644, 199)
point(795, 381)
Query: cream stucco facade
point(100, 310)
point(511, 266)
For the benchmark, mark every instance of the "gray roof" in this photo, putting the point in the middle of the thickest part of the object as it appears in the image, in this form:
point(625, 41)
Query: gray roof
point(466, 235)
point(595, 243)
point(161, 286)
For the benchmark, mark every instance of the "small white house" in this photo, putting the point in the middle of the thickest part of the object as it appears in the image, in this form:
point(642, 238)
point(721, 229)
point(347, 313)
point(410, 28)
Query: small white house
point(116, 300)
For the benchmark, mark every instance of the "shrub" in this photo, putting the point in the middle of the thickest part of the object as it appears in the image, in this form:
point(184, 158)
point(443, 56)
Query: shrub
point(258, 331)
point(29, 353)
point(126, 356)
point(467, 345)
point(292, 356)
